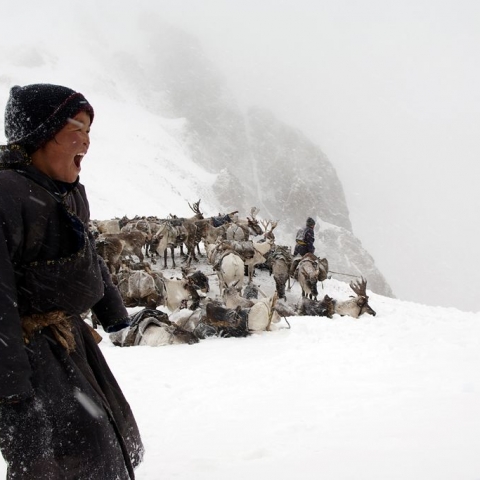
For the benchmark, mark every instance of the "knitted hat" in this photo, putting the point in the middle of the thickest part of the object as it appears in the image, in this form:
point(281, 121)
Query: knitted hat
point(35, 113)
point(310, 222)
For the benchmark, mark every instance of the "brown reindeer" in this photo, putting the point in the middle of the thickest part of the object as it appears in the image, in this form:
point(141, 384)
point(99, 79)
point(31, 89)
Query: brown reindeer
point(193, 232)
point(115, 247)
point(279, 262)
point(110, 249)
point(132, 242)
point(202, 229)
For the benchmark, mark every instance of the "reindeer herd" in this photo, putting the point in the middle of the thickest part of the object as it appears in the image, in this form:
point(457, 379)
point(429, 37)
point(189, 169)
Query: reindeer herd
point(132, 248)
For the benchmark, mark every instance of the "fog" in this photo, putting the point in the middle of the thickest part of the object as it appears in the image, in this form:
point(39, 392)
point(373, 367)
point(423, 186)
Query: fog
point(388, 90)
point(391, 93)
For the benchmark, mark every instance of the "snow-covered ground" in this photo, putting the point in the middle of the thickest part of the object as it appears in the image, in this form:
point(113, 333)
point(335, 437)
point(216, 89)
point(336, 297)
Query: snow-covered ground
point(396, 396)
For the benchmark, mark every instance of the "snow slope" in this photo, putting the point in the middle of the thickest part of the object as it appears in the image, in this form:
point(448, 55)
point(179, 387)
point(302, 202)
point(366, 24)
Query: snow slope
point(396, 396)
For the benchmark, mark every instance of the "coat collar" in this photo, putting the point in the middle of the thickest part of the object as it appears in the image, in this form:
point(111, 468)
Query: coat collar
point(14, 157)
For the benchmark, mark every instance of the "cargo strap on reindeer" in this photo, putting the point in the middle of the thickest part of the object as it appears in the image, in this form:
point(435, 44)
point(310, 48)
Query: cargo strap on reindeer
point(271, 310)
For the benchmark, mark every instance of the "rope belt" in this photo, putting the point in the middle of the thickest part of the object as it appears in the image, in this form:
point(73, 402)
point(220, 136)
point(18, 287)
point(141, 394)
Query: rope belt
point(59, 323)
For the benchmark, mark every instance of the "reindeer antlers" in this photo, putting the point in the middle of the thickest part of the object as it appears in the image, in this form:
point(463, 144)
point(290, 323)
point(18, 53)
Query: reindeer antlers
point(254, 212)
point(359, 287)
point(269, 225)
point(195, 207)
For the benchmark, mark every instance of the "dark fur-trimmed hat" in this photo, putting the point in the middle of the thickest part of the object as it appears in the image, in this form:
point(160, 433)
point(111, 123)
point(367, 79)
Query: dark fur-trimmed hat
point(310, 222)
point(35, 113)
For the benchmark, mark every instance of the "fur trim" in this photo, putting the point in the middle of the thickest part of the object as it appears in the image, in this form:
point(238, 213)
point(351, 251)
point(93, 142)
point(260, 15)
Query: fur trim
point(13, 156)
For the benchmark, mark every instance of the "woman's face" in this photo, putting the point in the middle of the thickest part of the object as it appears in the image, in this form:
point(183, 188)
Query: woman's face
point(60, 157)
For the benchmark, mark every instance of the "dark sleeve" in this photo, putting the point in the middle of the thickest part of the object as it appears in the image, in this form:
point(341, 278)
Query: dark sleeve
point(15, 370)
point(309, 240)
point(110, 310)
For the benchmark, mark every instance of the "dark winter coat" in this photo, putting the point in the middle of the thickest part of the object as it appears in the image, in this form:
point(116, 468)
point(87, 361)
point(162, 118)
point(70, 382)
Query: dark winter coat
point(305, 246)
point(62, 415)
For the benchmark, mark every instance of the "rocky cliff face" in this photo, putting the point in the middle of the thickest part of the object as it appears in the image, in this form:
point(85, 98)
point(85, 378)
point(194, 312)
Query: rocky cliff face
point(294, 177)
point(260, 160)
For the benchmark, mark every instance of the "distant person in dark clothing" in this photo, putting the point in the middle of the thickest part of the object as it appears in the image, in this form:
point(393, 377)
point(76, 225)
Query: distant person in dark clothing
point(303, 244)
point(305, 239)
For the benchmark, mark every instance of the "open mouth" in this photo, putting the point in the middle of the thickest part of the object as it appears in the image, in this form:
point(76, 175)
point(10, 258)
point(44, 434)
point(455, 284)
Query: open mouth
point(78, 159)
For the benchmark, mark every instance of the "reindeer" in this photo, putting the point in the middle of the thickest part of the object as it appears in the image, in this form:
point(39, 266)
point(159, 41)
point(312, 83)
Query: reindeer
point(240, 322)
point(152, 328)
point(211, 234)
point(178, 224)
point(316, 308)
point(262, 312)
point(140, 224)
point(107, 226)
point(223, 322)
point(179, 291)
point(236, 232)
point(355, 306)
point(182, 227)
point(248, 226)
point(165, 237)
point(306, 274)
point(206, 229)
point(232, 298)
point(327, 307)
point(263, 247)
point(251, 252)
point(228, 265)
point(113, 247)
point(280, 261)
point(193, 232)
point(322, 269)
point(110, 249)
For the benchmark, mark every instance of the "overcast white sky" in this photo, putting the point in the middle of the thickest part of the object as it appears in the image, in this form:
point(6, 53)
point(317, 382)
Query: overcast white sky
point(389, 90)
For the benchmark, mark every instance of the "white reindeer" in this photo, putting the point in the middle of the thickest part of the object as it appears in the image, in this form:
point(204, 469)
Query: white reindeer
point(228, 265)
